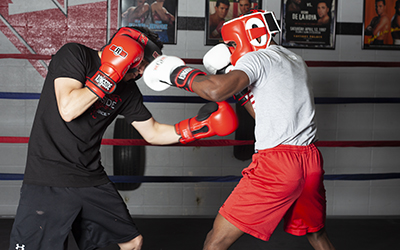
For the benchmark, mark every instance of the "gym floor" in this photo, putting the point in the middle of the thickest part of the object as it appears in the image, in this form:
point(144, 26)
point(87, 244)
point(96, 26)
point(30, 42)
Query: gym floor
point(356, 233)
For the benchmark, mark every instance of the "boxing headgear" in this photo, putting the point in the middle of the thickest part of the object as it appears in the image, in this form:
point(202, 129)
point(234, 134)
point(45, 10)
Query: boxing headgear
point(250, 32)
point(151, 50)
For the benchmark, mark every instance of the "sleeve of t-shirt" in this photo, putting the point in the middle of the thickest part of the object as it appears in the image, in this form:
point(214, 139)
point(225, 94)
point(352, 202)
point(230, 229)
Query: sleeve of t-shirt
point(70, 61)
point(135, 110)
point(254, 65)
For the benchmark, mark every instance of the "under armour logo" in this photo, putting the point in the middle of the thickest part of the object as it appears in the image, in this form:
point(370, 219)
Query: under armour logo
point(118, 51)
point(19, 247)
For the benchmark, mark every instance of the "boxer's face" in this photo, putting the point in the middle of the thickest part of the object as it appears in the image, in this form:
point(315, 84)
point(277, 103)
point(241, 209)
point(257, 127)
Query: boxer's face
point(244, 6)
point(222, 10)
point(380, 7)
point(132, 74)
point(322, 9)
point(142, 66)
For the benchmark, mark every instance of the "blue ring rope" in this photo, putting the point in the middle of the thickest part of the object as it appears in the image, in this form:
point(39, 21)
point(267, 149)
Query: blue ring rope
point(229, 178)
point(196, 99)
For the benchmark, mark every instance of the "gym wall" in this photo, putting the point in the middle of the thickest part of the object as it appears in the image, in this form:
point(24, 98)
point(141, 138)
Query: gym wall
point(39, 28)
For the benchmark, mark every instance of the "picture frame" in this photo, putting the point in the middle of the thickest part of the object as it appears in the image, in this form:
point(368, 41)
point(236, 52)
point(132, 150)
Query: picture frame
point(308, 23)
point(381, 25)
point(160, 16)
point(225, 11)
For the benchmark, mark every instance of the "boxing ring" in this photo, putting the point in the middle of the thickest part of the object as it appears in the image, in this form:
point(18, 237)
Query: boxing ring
point(221, 142)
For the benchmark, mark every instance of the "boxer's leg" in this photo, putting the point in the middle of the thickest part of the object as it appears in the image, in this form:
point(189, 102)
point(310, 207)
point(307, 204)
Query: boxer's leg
point(222, 235)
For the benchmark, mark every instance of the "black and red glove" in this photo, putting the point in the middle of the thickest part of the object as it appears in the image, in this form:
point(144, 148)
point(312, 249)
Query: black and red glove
point(214, 118)
point(121, 54)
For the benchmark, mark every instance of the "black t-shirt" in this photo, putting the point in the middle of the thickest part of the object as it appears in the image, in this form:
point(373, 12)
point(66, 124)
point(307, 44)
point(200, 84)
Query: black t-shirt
point(66, 154)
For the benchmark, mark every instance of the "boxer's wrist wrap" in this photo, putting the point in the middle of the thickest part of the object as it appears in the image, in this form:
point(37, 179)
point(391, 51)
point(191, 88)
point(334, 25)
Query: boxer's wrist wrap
point(183, 76)
point(242, 97)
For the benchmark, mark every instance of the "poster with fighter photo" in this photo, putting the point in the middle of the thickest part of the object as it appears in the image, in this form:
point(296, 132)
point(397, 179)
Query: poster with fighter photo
point(381, 28)
point(159, 16)
point(308, 23)
point(220, 11)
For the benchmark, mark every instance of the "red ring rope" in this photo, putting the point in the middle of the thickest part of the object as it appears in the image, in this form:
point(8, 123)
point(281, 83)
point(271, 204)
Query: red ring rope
point(218, 143)
point(200, 61)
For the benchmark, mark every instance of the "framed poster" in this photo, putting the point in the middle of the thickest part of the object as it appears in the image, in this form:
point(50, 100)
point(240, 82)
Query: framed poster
point(220, 11)
point(308, 23)
point(160, 16)
point(381, 24)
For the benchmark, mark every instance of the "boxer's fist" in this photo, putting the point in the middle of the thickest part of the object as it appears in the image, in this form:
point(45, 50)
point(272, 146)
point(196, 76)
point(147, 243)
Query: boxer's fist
point(214, 118)
point(218, 59)
point(167, 71)
point(121, 54)
point(217, 32)
point(157, 74)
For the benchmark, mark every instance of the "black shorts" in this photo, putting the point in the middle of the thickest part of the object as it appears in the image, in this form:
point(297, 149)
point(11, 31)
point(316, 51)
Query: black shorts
point(97, 217)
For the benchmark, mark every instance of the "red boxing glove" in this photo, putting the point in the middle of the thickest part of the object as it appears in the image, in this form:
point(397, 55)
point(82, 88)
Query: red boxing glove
point(121, 54)
point(214, 118)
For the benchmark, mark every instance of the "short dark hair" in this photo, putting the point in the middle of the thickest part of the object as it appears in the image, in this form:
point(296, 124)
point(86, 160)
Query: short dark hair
point(226, 2)
point(326, 2)
point(151, 35)
point(384, 2)
point(247, 1)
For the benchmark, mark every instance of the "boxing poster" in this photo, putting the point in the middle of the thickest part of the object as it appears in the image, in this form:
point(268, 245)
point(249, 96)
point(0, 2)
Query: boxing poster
point(220, 11)
point(308, 23)
point(381, 25)
point(160, 16)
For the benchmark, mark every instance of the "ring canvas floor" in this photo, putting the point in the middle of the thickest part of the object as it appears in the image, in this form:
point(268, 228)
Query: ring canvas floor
point(181, 233)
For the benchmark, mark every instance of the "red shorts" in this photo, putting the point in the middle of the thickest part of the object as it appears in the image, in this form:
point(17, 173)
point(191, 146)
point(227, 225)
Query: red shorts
point(282, 182)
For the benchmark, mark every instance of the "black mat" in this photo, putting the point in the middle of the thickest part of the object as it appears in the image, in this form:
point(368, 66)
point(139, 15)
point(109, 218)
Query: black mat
point(189, 233)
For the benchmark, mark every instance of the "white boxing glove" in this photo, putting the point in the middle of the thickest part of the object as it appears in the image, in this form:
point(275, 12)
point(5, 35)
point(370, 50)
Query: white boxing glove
point(157, 74)
point(218, 59)
point(165, 71)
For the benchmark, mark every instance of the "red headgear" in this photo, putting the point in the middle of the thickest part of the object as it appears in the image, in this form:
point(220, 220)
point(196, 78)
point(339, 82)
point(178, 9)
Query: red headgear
point(245, 30)
point(151, 50)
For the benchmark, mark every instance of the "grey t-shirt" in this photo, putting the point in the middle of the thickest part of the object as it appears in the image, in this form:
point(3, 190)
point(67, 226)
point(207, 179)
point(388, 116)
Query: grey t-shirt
point(281, 96)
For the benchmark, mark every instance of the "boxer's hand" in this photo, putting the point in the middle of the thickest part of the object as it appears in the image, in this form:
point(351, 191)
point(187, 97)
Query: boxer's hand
point(214, 118)
point(121, 54)
point(217, 31)
point(167, 71)
point(218, 59)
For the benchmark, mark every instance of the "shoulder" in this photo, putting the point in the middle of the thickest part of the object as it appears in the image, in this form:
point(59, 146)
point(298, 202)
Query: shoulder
point(273, 55)
point(384, 19)
point(73, 48)
point(76, 51)
point(259, 55)
point(130, 9)
point(75, 61)
point(70, 46)
point(155, 6)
